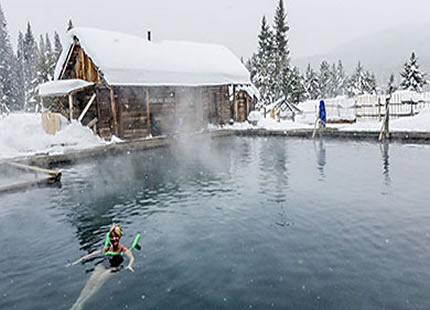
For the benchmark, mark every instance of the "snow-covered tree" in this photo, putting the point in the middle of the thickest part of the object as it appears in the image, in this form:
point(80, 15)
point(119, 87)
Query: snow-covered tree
point(30, 56)
point(356, 81)
point(263, 71)
point(391, 87)
point(8, 73)
point(70, 25)
point(325, 80)
point(412, 77)
point(370, 84)
point(362, 82)
point(339, 80)
point(282, 52)
point(311, 83)
point(45, 65)
point(297, 91)
point(58, 47)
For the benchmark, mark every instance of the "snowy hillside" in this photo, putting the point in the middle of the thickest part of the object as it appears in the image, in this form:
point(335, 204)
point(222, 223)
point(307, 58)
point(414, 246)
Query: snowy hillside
point(383, 52)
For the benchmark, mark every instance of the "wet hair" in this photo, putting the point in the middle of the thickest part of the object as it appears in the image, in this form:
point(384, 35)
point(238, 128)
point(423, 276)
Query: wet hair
point(115, 229)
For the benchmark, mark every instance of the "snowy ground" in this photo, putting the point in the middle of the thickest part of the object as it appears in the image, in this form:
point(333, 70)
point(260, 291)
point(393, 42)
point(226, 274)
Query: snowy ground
point(420, 122)
point(21, 134)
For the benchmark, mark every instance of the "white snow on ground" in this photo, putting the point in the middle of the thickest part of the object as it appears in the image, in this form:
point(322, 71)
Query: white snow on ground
point(21, 134)
point(420, 122)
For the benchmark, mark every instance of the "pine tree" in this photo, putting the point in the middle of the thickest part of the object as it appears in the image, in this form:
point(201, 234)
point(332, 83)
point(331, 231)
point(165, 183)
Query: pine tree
point(356, 82)
point(8, 73)
point(412, 77)
point(297, 92)
point(311, 84)
point(50, 56)
point(44, 69)
point(58, 47)
point(263, 72)
point(391, 87)
point(30, 55)
point(340, 81)
point(70, 25)
point(20, 70)
point(282, 52)
point(370, 83)
point(325, 80)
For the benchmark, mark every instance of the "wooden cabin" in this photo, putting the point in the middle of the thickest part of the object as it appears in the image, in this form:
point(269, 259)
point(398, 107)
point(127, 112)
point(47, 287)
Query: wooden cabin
point(130, 87)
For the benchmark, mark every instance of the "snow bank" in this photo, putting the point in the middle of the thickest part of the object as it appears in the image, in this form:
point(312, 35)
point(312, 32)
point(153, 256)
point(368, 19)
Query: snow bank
point(21, 134)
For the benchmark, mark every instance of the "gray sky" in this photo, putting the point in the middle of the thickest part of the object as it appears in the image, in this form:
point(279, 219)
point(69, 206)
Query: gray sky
point(316, 25)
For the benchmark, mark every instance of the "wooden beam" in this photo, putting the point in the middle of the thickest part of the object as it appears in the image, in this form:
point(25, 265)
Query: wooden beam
point(235, 117)
point(35, 169)
point(114, 115)
point(87, 107)
point(93, 122)
point(70, 107)
point(67, 61)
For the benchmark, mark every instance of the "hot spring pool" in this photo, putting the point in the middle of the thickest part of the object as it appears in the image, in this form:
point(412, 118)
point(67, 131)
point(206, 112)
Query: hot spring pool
point(237, 223)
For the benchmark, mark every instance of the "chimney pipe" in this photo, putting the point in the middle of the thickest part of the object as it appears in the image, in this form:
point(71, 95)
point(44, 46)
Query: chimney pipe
point(149, 35)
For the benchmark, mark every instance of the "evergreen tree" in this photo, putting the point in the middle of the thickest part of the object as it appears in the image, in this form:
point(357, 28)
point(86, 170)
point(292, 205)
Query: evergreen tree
point(70, 25)
point(370, 83)
point(297, 92)
point(391, 87)
point(340, 80)
point(357, 81)
point(311, 84)
point(50, 56)
point(282, 52)
point(263, 74)
point(58, 47)
point(8, 73)
point(20, 70)
point(412, 77)
point(45, 62)
point(325, 80)
point(30, 56)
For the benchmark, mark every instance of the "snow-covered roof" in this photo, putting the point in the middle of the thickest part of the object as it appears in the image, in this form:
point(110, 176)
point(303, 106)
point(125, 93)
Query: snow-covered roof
point(62, 87)
point(131, 60)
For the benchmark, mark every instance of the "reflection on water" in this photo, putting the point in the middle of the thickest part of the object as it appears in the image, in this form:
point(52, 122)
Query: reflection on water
point(233, 223)
point(385, 152)
point(320, 152)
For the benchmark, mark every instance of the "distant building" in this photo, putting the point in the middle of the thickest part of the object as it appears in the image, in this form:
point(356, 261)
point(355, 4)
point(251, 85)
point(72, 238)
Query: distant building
point(128, 86)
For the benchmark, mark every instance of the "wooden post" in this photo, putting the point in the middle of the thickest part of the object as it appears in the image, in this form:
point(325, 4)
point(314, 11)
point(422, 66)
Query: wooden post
point(114, 115)
point(148, 112)
point(235, 117)
point(379, 109)
point(70, 107)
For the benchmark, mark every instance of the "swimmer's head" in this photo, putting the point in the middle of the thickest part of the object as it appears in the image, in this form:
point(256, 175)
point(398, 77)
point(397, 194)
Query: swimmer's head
point(115, 230)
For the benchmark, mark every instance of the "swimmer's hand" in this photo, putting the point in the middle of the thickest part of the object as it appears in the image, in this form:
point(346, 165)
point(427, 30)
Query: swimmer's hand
point(129, 268)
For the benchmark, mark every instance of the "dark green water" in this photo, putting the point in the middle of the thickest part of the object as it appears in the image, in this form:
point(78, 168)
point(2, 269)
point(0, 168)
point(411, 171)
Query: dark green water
point(237, 223)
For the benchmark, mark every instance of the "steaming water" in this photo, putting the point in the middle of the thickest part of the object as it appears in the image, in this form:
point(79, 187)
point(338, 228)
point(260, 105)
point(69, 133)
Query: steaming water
point(237, 223)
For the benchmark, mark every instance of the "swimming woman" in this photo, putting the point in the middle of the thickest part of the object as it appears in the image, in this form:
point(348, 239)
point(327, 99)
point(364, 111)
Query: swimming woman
point(112, 262)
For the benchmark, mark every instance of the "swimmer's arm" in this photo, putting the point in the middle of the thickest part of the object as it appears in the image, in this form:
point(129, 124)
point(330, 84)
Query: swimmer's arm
point(87, 256)
point(130, 258)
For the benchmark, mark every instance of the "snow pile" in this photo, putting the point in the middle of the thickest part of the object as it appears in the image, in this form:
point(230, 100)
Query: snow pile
point(62, 88)
point(131, 60)
point(22, 135)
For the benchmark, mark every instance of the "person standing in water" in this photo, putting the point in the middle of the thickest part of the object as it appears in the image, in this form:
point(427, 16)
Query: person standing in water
point(112, 262)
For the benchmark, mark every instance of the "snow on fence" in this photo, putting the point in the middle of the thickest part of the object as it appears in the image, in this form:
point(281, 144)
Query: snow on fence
point(370, 107)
